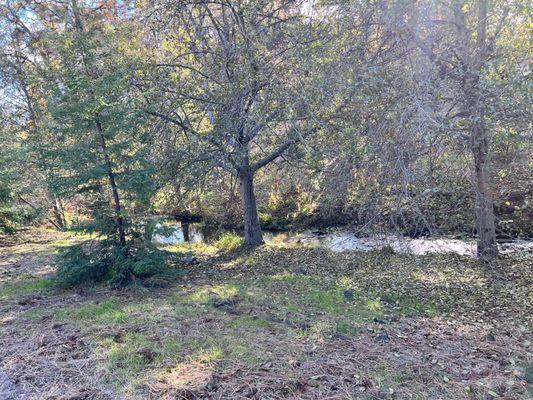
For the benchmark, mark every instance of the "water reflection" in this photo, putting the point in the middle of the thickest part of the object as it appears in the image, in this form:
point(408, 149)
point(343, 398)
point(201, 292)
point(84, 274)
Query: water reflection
point(340, 241)
point(345, 241)
point(180, 232)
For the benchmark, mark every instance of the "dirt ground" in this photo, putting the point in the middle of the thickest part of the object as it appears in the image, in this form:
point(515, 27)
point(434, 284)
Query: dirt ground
point(277, 323)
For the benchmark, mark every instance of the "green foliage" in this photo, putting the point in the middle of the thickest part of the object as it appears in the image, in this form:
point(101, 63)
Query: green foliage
point(9, 220)
point(98, 146)
point(107, 262)
point(13, 217)
point(229, 241)
point(10, 155)
point(77, 267)
point(380, 155)
point(287, 208)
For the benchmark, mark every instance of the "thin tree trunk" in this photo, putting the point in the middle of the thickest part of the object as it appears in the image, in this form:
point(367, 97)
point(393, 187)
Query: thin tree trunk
point(119, 220)
point(185, 229)
point(62, 211)
point(58, 213)
point(479, 144)
point(252, 228)
point(486, 245)
point(112, 182)
point(36, 209)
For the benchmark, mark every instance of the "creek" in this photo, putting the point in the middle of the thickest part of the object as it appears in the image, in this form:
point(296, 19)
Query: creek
point(341, 240)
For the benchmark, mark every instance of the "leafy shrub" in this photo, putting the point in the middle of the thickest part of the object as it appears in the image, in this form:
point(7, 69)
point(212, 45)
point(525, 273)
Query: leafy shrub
point(11, 220)
point(7, 224)
point(229, 241)
point(77, 266)
point(107, 262)
point(291, 207)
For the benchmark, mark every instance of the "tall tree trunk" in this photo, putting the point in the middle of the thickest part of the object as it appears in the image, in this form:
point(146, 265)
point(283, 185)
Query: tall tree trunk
point(252, 228)
point(486, 245)
point(479, 145)
point(112, 183)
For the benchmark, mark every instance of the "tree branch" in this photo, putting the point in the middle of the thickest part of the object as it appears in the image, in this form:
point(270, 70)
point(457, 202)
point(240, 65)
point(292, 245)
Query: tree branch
point(279, 151)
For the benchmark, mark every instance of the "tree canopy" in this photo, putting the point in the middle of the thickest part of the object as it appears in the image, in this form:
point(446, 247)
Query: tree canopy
point(256, 114)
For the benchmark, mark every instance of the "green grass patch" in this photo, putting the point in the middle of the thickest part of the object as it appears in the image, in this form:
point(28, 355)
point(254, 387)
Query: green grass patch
point(229, 242)
point(206, 295)
point(250, 322)
point(409, 305)
point(311, 294)
point(125, 358)
point(280, 304)
point(347, 328)
point(134, 353)
point(103, 312)
point(188, 249)
point(25, 287)
point(210, 355)
point(62, 243)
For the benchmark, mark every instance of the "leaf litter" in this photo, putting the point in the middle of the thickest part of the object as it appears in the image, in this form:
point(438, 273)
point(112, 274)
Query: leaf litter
point(276, 324)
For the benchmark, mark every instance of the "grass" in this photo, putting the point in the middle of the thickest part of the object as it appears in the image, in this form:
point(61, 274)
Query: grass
point(129, 355)
point(103, 312)
point(191, 249)
point(125, 359)
point(208, 293)
point(227, 242)
point(25, 286)
point(293, 322)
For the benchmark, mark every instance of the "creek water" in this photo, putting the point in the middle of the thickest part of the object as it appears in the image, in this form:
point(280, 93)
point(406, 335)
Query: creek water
point(343, 240)
point(174, 233)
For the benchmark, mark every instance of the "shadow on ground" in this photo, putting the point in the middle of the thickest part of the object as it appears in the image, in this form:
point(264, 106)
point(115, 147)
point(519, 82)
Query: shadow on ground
point(273, 324)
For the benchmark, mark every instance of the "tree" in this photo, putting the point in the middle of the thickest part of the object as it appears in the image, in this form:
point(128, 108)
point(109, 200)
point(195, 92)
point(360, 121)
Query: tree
point(461, 41)
point(93, 115)
point(236, 83)
point(17, 60)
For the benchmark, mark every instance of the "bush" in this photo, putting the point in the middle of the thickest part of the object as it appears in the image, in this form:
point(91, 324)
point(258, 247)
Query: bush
point(11, 220)
point(229, 241)
point(106, 262)
point(7, 224)
point(77, 266)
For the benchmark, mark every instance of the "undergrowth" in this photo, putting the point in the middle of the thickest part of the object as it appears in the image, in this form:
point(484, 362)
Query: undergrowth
point(118, 266)
point(310, 319)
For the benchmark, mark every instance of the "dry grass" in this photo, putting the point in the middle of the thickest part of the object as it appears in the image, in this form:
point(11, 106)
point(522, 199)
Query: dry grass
point(272, 324)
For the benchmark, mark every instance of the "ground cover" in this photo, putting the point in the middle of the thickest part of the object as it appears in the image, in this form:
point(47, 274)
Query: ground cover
point(273, 323)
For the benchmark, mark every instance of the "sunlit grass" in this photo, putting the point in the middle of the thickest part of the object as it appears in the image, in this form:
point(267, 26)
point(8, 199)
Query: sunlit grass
point(103, 312)
point(129, 355)
point(206, 294)
point(249, 308)
point(226, 242)
point(200, 248)
point(24, 287)
point(210, 355)
point(229, 242)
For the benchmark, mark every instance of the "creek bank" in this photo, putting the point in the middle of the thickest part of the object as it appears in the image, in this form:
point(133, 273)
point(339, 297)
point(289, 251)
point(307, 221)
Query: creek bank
point(340, 240)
